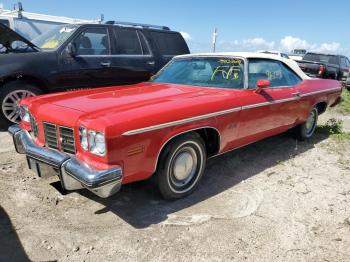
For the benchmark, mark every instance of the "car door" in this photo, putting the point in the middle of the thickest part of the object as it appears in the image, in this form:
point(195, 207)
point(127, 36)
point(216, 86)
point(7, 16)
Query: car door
point(273, 109)
point(90, 66)
point(132, 60)
point(344, 69)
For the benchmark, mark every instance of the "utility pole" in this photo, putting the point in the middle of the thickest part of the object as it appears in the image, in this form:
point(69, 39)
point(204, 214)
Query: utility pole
point(215, 35)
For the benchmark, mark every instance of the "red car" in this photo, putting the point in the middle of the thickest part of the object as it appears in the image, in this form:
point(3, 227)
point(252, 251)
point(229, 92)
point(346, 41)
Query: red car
point(196, 107)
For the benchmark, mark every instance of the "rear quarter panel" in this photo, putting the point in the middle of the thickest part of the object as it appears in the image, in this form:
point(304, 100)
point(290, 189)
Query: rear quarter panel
point(315, 91)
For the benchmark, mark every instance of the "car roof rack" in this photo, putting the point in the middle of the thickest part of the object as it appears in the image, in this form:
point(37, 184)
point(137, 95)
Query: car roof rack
point(137, 25)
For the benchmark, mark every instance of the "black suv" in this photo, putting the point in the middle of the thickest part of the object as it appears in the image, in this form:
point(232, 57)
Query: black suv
point(74, 56)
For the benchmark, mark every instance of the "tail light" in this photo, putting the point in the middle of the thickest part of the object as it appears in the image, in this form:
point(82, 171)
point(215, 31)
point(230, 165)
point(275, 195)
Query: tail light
point(321, 70)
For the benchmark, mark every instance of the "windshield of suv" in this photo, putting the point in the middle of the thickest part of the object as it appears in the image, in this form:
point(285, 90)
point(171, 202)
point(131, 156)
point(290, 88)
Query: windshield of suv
point(327, 59)
point(55, 37)
point(221, 72)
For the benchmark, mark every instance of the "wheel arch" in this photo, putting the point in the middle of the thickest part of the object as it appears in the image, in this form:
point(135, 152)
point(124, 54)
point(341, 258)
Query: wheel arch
point(210, 135)
point(40, 83)
point(321, 107)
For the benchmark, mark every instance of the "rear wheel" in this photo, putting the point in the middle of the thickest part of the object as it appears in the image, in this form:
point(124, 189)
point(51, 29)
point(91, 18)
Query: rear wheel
point(10, 95)
point(182, 164)
point(307, 129)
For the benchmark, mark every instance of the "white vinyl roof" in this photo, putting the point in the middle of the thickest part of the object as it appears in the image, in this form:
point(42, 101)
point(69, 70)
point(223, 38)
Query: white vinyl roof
point(289, 62)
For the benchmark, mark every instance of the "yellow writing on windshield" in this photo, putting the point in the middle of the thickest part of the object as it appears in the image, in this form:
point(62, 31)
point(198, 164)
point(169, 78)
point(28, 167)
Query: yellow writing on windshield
point(227, 72)
point(52, 43)
point(230, 61)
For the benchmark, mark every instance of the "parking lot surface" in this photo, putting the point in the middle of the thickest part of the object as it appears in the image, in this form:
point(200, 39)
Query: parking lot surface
point(275, 200)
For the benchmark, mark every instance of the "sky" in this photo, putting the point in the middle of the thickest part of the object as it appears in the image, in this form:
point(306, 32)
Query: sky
point(248, 25)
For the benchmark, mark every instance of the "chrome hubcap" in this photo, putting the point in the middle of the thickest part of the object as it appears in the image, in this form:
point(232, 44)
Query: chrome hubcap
point(184, 167)
point(10, 105)
point(310, 123)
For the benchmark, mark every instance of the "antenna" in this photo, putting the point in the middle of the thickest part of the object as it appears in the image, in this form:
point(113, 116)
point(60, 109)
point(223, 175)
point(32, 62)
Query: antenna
point(20, 9)
point(215, 35)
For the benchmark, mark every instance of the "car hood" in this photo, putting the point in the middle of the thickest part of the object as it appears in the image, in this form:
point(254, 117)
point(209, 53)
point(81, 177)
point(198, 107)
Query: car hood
point(147, 103)
point(124, 98)
point(8, 36)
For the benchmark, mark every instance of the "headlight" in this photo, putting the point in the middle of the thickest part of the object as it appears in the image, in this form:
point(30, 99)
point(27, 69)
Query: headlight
point(83, 134)
point(24, 113)
point(92, 141)
point(100, 143)
point(97, 143)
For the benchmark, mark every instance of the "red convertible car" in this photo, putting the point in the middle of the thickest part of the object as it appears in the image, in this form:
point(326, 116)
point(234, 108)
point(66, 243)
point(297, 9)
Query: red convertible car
point(198, 106)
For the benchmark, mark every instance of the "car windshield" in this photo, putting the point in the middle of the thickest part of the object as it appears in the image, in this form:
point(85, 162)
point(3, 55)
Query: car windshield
point(220, 72)
point(328, 59)
point(55, 37)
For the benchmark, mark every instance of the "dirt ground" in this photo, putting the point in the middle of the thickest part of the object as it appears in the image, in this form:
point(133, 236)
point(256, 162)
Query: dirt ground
point(275, 200)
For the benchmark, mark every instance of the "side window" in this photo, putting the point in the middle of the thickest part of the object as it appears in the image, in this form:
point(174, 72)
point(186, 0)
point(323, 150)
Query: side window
point(343, 62)
point(93, 41)
point(170, 43)
point(128, 42)
point(274, 71)
point(5, 22)
point(291, 77)
point(144, 44)
point(347, 63)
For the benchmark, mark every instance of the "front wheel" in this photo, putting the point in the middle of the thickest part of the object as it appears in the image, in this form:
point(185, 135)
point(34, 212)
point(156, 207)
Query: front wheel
point(307, 129)
point(181, 166)
point(10, 95)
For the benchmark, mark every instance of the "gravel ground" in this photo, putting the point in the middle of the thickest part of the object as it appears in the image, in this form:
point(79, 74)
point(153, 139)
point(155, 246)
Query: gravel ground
point(275, 200)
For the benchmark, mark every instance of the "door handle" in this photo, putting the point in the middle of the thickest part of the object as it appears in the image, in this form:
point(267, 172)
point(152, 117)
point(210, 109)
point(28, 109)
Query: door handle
point(106, 64)
point(297, 94)
point(151, 63)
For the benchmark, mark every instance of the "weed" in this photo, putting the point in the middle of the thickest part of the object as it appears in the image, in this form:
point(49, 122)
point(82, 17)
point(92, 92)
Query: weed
point(332, 126)
point(334, 129)
point(345, 105)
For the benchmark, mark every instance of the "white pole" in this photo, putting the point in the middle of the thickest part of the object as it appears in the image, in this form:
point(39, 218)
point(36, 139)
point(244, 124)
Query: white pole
point(215, 34)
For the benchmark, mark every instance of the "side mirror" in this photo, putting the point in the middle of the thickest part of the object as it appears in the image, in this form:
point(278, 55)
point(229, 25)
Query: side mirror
point(71, 50)
point(261, 84)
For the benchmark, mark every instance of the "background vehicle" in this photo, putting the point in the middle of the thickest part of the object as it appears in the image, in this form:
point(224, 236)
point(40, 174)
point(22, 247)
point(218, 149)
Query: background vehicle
point(78, 56)
point(325, 66)
point(31, 25)
point(196, 107)
point(275, 53)
point(297, 54)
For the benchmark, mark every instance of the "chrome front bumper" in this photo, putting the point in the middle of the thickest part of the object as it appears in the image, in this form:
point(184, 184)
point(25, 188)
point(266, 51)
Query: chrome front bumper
point(73, 173)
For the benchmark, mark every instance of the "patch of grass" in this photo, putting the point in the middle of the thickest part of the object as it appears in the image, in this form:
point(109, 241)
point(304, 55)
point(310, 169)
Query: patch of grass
point(332, 126)
point(334, 129)
point(342, 137)
point(345, 105)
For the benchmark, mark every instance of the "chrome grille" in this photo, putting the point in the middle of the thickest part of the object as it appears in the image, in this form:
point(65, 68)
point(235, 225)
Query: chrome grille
point(67, 140)
point(33, 125)
point(59, 138)
point(50, 133)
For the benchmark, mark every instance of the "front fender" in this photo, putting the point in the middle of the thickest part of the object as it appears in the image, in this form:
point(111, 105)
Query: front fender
point(141, 152)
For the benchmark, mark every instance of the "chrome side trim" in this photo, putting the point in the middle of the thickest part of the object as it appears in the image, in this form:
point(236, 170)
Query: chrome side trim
point(180, 122)
point(256, 105)
point(320, 91)
point(270, 103)
point(191, 119)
